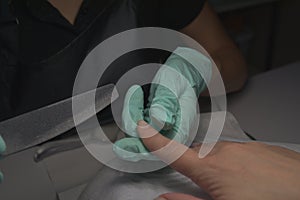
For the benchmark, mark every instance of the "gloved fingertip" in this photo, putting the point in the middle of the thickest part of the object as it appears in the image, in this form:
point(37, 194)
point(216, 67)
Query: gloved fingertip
point(128, 149)
point(133, 109)
point(2, 145)
point(161, 117)
point(1, 177)
point(125, 155)
point(135, 89)
point(134, 95)
point(132, 149)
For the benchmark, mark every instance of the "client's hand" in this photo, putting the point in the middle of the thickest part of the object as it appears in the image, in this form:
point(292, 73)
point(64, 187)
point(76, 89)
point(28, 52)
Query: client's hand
point(232, 171)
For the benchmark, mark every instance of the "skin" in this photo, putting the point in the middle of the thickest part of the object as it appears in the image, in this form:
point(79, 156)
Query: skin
point(68, 8)
point(232, 171)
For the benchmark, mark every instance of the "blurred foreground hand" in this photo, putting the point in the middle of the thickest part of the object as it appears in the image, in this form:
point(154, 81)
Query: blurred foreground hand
point(2, 149)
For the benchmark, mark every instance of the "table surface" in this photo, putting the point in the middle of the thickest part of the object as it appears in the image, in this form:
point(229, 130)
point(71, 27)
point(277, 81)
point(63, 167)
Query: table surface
point(25, 179)
point(269, 106)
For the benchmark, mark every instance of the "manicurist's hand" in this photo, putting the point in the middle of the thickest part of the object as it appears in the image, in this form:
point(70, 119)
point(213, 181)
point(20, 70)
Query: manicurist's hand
point(232, 171)
point(2, 149)
point(172, 104)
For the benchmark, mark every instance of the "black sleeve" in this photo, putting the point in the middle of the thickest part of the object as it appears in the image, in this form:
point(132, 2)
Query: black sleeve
point(8, 62)
point(177, 14)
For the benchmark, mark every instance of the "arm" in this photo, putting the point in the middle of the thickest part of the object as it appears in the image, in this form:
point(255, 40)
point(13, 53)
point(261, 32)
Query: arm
point(208, 31)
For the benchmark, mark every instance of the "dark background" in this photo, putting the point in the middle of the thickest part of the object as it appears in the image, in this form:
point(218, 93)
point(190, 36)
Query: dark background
point(267, 31)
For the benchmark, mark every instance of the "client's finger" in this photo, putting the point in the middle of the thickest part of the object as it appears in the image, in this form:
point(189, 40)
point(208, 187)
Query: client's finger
point(176, 196)
point(178, 156)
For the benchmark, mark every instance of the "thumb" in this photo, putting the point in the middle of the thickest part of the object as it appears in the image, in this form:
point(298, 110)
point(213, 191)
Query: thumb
point(178, 156)
point(176, 196)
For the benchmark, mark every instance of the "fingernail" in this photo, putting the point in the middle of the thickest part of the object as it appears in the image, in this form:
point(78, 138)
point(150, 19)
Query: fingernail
point(145, 130)
point(160, 198)
point(142, 123)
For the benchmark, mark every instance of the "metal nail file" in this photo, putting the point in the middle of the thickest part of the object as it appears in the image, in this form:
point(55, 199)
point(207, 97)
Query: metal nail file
point(41, 125)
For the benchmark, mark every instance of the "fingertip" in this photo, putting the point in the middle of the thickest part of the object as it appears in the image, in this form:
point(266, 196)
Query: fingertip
point(2, 145)
point(177, 155)
point(145, 131)
point(142, 123)
point(150, 137)
point(131, 149)
point(134, 88)
point(133, 108)
point(1, 177)
point(135, 95)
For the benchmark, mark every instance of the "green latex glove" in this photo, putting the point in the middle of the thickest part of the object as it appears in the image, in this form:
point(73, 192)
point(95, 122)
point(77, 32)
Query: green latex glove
point(2, 149)
point(172, 102)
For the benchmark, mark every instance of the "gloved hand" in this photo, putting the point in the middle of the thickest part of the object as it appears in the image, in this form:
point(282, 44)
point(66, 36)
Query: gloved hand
point(2, 149)
point(171, 107)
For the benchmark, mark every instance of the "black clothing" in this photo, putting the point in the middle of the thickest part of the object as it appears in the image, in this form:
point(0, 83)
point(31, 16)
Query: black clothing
point(41, 52)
